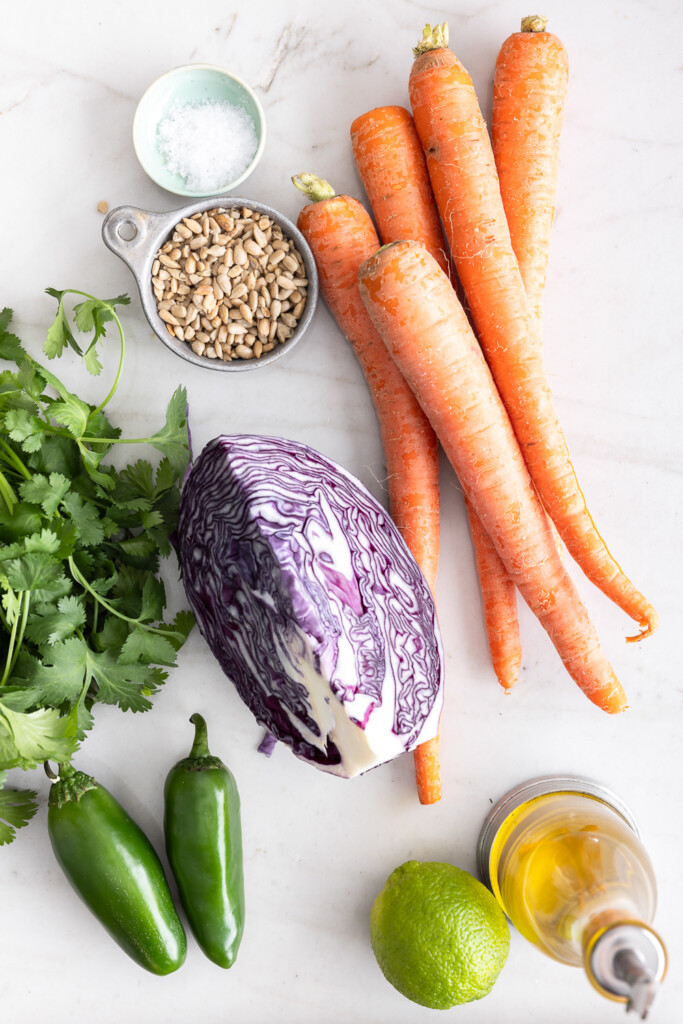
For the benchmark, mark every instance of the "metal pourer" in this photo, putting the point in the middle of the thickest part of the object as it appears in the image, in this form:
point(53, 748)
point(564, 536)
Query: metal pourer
point(628, 961)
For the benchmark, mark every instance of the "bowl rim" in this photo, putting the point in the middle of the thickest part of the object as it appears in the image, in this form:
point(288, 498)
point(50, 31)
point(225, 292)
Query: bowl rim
point(260, 127)
point(154, 228)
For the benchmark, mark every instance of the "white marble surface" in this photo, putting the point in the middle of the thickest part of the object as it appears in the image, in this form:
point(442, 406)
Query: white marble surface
point(317, 849)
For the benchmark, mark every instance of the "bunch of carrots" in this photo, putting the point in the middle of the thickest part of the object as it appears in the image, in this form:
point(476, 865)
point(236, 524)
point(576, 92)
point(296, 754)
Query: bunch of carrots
point(445, 319)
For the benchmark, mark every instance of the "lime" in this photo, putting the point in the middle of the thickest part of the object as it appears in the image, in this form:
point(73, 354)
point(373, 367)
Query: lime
point(438, 934)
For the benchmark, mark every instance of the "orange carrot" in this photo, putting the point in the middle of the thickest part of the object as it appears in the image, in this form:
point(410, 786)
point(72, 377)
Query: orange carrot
point(463, 175)
point(428, 770)
point(529, 91)
point(393, 169)
point(499, 598)
point(418, 315)
point(341, 235)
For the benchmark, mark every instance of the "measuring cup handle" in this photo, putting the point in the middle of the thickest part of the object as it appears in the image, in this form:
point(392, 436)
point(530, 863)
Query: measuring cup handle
point(126, 231)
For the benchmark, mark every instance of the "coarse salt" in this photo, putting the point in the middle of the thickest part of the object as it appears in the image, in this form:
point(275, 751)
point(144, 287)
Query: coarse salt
point(207, 144)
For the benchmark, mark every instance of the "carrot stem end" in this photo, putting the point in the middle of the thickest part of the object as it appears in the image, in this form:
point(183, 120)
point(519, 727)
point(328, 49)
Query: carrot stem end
point(313, 187)
point(534, 23)
point(435, 38)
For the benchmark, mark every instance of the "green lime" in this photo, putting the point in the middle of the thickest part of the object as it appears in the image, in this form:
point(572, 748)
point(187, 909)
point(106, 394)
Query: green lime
point(438, 934)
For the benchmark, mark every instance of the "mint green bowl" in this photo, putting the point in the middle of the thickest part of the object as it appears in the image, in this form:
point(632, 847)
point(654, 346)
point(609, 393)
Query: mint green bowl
point(191, 83)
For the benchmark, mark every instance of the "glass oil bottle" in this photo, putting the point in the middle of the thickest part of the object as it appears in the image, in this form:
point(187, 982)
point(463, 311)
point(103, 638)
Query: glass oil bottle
point(563, 858)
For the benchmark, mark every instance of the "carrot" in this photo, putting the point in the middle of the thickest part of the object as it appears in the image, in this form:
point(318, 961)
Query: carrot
point(341, 235)
point(465, 183)
point(529, 91)
point(428, 770)
point(393, 169)
point(418, 315)
point(499, 598)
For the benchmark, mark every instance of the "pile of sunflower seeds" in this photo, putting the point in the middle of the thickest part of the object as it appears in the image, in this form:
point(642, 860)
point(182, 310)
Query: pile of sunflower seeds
point(229, 283)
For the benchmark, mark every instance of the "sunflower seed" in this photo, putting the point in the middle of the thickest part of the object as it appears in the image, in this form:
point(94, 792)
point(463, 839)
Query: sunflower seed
point(289, 262)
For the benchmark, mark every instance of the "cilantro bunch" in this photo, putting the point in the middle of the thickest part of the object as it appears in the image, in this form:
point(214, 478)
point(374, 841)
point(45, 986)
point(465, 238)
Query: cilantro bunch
point(81, 601)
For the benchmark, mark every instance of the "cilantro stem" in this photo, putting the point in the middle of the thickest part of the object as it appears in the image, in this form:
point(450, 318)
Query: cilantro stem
point(117, 378)
point(12, 640)
point(22, 627)
point(119, 325)
point(13, 459)
point(115, 440)
point(8, 493)
point(79, 578)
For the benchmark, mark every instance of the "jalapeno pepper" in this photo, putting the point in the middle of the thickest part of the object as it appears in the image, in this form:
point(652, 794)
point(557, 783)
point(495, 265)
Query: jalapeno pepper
point(113, 867)
point(204, 846)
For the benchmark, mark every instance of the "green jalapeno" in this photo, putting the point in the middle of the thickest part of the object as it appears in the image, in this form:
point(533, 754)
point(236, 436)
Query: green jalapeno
point(204, 846)
point(113, 867)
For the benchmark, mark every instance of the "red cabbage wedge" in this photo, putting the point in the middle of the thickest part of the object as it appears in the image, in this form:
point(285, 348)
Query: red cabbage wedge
point(311, 602)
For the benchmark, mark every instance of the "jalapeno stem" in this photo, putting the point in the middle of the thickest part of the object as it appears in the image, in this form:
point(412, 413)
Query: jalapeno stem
point(200, 747)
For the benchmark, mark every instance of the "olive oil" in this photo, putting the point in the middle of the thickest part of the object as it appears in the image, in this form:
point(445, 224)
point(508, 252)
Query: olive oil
point(563, 858)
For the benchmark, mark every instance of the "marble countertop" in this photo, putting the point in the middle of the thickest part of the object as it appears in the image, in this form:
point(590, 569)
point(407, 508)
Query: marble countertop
point(317, 849)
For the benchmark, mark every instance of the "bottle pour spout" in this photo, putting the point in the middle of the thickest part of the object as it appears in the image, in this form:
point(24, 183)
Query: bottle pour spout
point(627, 962)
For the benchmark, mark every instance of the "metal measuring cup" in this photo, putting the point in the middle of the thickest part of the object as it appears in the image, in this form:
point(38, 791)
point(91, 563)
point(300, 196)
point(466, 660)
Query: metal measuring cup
point(135, 236)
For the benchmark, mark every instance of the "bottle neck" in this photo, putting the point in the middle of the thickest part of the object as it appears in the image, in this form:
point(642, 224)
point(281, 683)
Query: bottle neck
point(626, 961)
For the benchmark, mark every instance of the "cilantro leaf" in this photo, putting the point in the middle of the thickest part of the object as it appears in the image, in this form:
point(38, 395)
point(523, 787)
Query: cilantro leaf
point(137, 480)
point(45, 492)
point(92, 362)
point(166, 477)
point(93, 314)
point(91, 461)
point(148, 520)
point(140, 550)
point(72, 413)
point(84, 717)
point(46, 541)
point(10, 346)
point(61, 675)
point(118, 683)
point(24, 519)
point(53, 626)
point(182, 626)
point(153, 600)
point(171, 440)
point(35, 736)
point(85, 518)
point(89, 315)
point(25, 428)
point(33, 571)
point(142, 645)
point(17, 807)
point(10, 602)
point(59, 335)
point(99, 426)
point(113, 634)
point(58, 455)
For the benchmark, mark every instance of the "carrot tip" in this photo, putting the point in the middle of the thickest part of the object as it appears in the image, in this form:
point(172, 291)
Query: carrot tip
point(431, 797)
point(648, 627)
